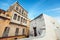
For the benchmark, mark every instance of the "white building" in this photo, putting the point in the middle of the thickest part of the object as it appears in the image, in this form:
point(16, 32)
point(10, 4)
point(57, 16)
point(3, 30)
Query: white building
point(45, 27)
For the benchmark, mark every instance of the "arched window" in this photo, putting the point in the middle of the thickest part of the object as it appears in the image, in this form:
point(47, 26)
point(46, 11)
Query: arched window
point(16, 8)
point(23, 31)
point(15, 16)
point(21, 19)
point(23, 12)
point(17, 31)
point(20, 10)
point(6, 31)
point(18, 18)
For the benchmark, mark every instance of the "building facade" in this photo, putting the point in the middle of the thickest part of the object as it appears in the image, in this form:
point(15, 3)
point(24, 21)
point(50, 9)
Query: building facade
point(45, 27)
point(14, 23)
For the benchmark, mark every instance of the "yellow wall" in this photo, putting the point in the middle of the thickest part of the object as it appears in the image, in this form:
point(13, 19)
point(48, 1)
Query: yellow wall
point(3, 23)
point(6, 21)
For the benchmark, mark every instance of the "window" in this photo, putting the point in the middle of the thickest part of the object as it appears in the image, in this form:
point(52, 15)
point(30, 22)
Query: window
point(16, 32)
point(6, 31)
point(24, 14)
point(21, 19)
point(20, 10)
point(15, 16)
point(16, 8)
point(25, 21)
point(18, 18)
point(23, 31)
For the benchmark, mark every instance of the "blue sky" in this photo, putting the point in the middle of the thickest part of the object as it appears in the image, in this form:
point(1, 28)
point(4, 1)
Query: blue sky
point(36, 7)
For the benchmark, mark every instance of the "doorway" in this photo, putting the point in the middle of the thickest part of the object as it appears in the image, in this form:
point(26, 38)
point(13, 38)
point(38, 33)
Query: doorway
point(35, 32)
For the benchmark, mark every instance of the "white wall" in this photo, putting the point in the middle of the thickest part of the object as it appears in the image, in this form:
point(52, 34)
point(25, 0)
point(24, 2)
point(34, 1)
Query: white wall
point(49, 23)
point(39, 23)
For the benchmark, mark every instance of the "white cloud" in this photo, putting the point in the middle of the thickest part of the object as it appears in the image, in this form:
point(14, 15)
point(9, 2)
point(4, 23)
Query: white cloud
point(53, 10)
point(33, 9)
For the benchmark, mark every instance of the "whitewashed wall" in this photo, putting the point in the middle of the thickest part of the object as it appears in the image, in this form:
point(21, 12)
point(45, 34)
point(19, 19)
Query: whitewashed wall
point(39, 23)
point(50, 26)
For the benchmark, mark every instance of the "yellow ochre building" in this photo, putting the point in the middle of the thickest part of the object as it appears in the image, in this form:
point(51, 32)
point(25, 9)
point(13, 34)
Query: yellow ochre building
point(14, 23)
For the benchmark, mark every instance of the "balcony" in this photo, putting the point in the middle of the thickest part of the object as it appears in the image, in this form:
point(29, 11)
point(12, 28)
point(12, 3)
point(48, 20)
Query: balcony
point(5, 16)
